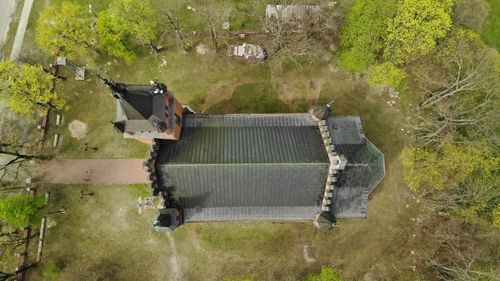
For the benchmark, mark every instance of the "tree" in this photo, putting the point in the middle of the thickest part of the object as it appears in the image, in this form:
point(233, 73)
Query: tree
point(18, 146)
point(297, 39)
point(415, 28)
point(20, 210)
point(66, 29)
point(362, 38)
point(420, 168)
point(326, 274)
point(385, 75)
point(172, 18)
point(125, 25)
point(460, 91)
point(448, 167)
point(28, 89)
point(213, 15)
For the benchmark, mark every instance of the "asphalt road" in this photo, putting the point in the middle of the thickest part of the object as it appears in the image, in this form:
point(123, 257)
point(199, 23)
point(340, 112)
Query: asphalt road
point(21, 29)
point(6, 10)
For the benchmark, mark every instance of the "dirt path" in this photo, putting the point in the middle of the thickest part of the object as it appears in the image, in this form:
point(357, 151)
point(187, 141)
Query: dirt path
point(175, 274)
point(21, 29)
point(101, 171)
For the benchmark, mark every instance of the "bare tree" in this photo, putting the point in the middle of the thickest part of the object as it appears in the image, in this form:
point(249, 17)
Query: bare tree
point(17, 147)
point(173, 21)
point(460, 93)
point(466, 72)
point(453, 250)
point(297, 32)
point(214, 15)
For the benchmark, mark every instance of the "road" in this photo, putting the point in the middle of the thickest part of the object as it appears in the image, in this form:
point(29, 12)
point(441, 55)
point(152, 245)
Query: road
point(21, 29)
point(5, 18)
point(73, 171)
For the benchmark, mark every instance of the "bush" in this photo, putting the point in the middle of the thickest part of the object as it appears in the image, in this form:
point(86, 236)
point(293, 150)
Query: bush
point(52, 269)
point(326, 274)
point(385, 75)
point(416, 27)
point(362, 39)
point(20, 210)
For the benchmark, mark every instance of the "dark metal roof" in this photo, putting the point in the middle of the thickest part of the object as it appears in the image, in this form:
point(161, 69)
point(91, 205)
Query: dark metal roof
point(141, 108)
point(364, 169)
point(231, 139)
point(229, 167)
point(278, 191)
point(257, 166)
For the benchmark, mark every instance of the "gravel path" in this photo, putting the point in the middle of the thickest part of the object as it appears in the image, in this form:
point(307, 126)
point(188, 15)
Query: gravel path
point(73, 171)
point(21, 29)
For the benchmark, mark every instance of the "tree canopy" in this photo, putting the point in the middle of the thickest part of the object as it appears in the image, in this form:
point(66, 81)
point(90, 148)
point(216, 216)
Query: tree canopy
point(362, 38)
point(127, 24)
point(447, 167)
point(66, 29)
point(385, 75)
point(20, 210)
point(415, 28)
point(460, 97)
point(28, 88)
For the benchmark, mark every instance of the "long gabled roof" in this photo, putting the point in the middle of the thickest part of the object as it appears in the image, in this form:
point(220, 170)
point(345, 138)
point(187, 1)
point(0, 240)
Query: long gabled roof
point(230, 167)
point(266, 166)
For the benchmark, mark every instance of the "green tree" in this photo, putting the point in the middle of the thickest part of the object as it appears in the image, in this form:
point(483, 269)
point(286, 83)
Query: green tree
point(125, 25)
point(66, 29)
point(28, 88)
point(420, 168)
point(20, 210)
point(447, 167)
point(326, 274)
point(385, 75)
point(415, 28)
point(362, 39)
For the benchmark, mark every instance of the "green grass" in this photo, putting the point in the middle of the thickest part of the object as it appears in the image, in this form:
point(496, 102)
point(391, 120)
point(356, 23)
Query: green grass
point(252, 98)
point(491, 28)
point(101, 237)
point(91, 103)
point(52, 269)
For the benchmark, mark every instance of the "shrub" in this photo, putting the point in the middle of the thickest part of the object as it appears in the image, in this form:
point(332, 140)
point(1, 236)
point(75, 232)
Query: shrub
point(385, 75)
point(362, 39)
point(52, 269)
point(326, 274)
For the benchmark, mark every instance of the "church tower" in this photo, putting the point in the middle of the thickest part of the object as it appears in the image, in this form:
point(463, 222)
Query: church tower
point(146, 112)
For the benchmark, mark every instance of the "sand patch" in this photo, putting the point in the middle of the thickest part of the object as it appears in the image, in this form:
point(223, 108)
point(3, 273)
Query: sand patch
point(78, 129)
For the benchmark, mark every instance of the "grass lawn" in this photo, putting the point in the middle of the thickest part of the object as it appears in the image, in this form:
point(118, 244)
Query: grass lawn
point(490, 31)
point(102, 237)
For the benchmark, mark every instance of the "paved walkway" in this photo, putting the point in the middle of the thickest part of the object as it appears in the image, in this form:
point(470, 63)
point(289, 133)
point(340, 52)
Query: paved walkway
point(21, 29)
point(5, 18)
point(101, 171)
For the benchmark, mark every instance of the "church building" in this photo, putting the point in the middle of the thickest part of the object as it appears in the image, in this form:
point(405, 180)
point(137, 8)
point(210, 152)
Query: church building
point(246, 167)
